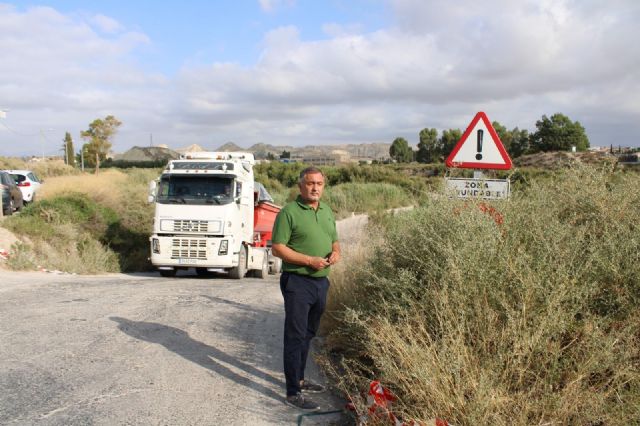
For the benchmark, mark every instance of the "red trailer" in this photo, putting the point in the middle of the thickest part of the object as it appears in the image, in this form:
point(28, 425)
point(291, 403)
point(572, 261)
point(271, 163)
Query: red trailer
point(264, 215)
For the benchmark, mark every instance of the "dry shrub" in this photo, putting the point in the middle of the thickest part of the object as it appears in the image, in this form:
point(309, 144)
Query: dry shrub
point(105, 188)
point(87, 224)
point(43, 169)
point(526, 320)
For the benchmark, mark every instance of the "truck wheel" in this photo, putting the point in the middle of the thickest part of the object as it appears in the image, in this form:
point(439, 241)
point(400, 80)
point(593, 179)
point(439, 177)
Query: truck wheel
point(264, 271)
point(239, 271)
point(167, 273)
point(276, 267)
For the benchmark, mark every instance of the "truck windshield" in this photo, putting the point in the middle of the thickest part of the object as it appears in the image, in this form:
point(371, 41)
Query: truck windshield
point(189, 189)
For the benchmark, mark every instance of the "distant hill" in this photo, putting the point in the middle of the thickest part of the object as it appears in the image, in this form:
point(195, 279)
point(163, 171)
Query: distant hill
point(147, 153)
point(191, 148)
point(374, 151)
point(230, 147)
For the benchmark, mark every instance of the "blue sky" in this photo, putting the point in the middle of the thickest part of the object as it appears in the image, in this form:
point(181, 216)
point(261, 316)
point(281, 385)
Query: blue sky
point(302, 72)
point(198, 31)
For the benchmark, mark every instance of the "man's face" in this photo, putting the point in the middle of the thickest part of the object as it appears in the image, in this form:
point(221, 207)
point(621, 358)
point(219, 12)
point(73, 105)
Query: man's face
point(312, 186)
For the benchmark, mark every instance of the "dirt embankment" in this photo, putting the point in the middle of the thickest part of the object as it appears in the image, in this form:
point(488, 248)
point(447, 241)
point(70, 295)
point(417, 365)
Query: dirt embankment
point(7, 239)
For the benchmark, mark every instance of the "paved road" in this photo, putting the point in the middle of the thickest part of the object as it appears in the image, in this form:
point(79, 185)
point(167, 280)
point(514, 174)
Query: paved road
point(140, 349)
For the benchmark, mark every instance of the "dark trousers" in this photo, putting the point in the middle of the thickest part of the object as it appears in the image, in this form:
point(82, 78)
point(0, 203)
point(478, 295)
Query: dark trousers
point(304, 301)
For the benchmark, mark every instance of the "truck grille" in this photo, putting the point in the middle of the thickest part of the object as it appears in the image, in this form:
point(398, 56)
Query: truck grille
point(190, 226)
point(188, 248)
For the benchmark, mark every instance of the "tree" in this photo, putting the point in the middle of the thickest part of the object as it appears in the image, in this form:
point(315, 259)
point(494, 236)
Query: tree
point(519, 142)
point(401, 151)
point(448, 140)
point(285, 154)
point(558, 133)
point(428, 148)
point(67, 146)
point(99, 135)
point(515, 141)
point(503, 134)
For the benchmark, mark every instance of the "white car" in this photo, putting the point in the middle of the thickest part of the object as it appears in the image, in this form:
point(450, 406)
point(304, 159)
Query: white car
point(28, 183)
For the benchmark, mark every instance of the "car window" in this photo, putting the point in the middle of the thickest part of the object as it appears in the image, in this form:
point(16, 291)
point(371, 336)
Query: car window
point(18, 178)
point(33, 177)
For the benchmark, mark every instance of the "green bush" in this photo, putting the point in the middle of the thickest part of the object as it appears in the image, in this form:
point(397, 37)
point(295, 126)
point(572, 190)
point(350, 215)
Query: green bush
point(349, 198)
point(74, 233)
point(518, 312)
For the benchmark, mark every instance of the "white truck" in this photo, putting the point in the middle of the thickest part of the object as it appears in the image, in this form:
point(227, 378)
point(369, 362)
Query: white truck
point(210, 215)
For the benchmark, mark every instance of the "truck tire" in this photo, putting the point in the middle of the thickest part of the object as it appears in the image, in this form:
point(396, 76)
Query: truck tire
point(264, 271)
point(238, 272)
point(276, 267)
point(168, 273)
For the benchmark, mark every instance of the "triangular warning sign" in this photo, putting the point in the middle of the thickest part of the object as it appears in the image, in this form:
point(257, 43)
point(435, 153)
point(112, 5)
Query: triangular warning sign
point(479, 147)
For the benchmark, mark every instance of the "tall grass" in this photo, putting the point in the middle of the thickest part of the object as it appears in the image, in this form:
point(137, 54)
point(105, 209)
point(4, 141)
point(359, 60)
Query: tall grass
point(87, 224)
point(531, 319)
point(351, 198)
point(42, 169)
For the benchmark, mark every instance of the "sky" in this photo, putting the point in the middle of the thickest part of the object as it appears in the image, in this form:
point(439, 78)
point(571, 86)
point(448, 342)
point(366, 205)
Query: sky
point(312, 72)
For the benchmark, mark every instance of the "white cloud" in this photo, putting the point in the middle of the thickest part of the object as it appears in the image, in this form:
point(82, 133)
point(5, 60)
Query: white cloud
point(107, 24)
point(435, 66)
point(270, 6)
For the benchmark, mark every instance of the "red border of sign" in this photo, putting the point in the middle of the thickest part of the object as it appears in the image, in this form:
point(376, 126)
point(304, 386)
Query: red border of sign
point(473, 165)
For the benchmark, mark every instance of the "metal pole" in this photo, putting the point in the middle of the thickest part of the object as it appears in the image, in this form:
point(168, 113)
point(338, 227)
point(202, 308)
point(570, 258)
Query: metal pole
point(42, 142)
point(82, 157)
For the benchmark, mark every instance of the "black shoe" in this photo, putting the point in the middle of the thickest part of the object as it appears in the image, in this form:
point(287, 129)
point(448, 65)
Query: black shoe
point(300, 402)
point(310, 387)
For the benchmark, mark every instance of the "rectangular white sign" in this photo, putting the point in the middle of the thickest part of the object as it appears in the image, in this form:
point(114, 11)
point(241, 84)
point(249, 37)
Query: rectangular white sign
point(494, 189)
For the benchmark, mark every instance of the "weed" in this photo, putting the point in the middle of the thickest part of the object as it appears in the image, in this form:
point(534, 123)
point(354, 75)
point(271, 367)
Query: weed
point(528, 321)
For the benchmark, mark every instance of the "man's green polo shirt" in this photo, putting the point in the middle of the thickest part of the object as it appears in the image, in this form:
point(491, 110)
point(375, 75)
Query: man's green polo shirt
point(305, 230)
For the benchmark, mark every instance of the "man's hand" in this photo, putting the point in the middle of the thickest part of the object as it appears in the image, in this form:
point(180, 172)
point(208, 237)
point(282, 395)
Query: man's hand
point(334, 257)
point(318, 263)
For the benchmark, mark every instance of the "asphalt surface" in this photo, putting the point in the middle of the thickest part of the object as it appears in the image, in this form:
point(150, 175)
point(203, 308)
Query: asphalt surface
point(144, 350)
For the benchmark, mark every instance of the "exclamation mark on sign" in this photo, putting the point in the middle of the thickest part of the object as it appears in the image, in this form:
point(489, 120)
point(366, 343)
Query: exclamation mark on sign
point(479, 154)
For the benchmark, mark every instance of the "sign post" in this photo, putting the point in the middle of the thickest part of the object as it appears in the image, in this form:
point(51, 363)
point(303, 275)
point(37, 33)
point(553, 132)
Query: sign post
point(479, 148)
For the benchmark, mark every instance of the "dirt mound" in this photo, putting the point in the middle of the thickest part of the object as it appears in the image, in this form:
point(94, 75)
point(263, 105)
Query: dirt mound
point(560, 159)
point(149, 153)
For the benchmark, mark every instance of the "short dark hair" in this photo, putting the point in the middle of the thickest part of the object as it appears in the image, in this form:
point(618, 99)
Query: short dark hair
point(308, 171)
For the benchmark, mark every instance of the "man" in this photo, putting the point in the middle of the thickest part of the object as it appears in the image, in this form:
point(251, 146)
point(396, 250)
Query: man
point(305, 238)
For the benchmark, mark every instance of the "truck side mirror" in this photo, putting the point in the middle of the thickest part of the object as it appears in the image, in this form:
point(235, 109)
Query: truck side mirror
point(238, 192)
point(152, 191)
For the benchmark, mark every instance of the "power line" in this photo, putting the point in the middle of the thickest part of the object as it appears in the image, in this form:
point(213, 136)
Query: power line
point(18, 133)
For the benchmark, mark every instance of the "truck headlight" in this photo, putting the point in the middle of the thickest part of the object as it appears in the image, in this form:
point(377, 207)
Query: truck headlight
point(224, 247)
point(155, 245)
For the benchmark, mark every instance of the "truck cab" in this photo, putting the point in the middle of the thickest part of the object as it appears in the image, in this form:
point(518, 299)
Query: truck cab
point(204, 216)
